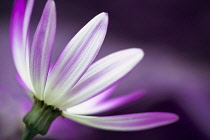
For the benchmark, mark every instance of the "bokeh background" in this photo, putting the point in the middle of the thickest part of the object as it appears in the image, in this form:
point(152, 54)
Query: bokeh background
point(175, 72)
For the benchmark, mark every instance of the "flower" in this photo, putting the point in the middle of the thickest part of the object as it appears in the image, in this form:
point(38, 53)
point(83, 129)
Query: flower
point(73, 87)
point(13, 125)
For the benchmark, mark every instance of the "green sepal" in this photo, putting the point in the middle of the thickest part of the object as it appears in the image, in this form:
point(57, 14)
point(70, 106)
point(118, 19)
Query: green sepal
point(39, 118)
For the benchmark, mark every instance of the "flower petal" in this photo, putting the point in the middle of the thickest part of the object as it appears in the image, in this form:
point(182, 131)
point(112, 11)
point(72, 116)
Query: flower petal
point(128, 122)
point(87, 108)
point(18, 34)
point(101, 75)
point(112, 104)
point(90, 104)
point(76, 57)
point(40, 52)
point(18, 49)
point(26, 23)
point(27, 17)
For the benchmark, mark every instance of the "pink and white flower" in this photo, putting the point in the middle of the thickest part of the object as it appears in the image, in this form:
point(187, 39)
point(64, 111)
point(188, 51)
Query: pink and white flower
point(74, 84)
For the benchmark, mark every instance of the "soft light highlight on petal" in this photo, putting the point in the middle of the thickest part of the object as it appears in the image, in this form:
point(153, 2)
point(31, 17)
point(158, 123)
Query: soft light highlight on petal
point(114, 103)
point(26, 22)
point(103, 106)
point(76, 58)
point(40, 52)
point(129, 122)
point(19, 42)
point(90, 104)
point(101, 75)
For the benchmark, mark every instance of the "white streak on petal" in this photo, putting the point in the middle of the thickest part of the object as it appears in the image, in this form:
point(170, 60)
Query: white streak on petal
point(76, 58)
point(110, 104)
point(101, 75)
point(40, 52)
point(27, 17)
point(26, 23)
point(128, 122)
point(20, 16)
point(88, 105)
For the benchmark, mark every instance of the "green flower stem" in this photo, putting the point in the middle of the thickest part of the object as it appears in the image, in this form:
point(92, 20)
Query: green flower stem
point(39, 119)
point(28, 134)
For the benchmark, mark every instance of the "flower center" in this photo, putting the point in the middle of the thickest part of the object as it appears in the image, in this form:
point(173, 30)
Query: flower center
point(39, 119)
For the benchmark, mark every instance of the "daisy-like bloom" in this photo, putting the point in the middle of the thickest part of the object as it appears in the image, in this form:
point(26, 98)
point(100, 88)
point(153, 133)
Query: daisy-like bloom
point(73, 87)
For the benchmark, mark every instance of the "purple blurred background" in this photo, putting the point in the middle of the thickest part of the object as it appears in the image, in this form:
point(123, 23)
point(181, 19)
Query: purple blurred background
point(175, 72)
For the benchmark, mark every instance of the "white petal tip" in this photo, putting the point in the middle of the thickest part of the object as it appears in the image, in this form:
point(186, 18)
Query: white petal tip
point(103, 13)
point(51, 3)
point(136, 53)
point(102, 16)
point(138, 50)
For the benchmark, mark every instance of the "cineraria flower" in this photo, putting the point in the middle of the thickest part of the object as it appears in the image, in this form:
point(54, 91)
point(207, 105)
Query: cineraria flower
point(73, 87)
